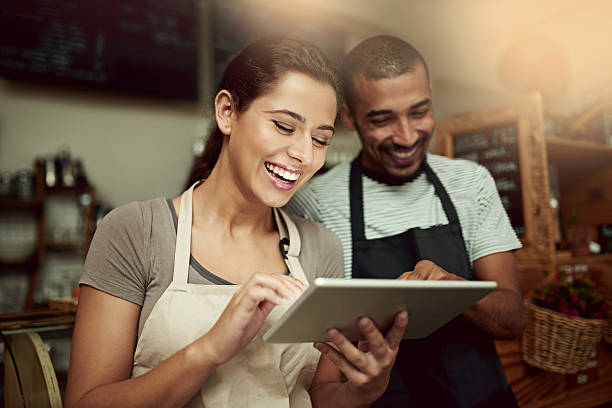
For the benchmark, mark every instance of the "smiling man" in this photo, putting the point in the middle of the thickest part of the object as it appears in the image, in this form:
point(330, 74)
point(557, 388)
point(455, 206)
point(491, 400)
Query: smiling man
point(404, 213)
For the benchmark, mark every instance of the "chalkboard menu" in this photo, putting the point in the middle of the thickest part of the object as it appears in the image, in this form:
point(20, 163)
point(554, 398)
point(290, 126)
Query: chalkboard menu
point(143, 47)
point(235, 24)
point(497, 150)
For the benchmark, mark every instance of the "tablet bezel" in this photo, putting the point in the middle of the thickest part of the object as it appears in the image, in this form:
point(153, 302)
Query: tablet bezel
point(339, 303)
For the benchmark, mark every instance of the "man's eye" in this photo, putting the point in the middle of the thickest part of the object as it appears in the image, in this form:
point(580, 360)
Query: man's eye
point(379, 122)
point(284, 128)
point(420, 114)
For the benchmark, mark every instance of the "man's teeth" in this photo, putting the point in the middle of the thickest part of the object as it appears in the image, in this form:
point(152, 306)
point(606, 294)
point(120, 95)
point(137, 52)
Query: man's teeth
point(403, 154)
point(282, 173)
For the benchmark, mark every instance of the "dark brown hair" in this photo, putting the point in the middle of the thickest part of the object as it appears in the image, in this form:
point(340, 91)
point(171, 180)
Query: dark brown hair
point(378, 57)
point(255, 72)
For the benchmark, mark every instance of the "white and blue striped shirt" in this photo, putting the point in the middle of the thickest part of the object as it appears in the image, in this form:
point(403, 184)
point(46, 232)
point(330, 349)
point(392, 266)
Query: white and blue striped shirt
point(393, 209)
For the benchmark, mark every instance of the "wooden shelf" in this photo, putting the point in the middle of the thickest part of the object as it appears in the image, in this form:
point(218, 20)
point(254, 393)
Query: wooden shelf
point(18, 204)
point(64, 246)
point(27, 263)
point(576, 160)
point(69, 189)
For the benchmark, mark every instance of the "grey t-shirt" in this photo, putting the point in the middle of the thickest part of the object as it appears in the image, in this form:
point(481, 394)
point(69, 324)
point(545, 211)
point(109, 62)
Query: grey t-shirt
point(132, 254)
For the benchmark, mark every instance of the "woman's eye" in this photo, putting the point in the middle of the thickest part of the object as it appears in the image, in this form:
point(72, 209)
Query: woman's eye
point(320, 142)
point(284, 128)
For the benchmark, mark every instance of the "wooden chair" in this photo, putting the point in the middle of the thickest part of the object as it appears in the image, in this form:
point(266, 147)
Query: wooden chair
point(29, 376)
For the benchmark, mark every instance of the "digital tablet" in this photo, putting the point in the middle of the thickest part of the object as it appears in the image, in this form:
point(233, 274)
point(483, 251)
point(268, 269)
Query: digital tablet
point(338, 303)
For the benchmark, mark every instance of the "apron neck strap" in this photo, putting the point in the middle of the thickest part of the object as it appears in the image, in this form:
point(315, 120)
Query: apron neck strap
point(288, 229)
point(356, 197)
point(447, 204)
point(182, 250)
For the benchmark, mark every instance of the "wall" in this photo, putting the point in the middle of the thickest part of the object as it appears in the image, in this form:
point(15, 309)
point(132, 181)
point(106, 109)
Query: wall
point(132, 149)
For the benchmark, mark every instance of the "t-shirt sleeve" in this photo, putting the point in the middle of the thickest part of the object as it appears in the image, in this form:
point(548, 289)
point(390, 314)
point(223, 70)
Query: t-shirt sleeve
point(493, 231)
point(116, 262)
point(321, 251)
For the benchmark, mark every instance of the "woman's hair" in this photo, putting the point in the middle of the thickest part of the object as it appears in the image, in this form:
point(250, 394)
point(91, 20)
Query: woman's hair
point(255, 72)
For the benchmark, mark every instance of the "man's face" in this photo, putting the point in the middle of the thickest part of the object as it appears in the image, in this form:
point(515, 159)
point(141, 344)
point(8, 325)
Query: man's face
point(394, 119)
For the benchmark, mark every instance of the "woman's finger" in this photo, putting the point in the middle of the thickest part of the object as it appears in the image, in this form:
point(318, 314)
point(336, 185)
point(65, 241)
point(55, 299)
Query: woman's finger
point(287, 287)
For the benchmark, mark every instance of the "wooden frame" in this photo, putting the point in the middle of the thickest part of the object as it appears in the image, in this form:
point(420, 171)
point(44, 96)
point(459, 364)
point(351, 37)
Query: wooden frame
point(527, 115)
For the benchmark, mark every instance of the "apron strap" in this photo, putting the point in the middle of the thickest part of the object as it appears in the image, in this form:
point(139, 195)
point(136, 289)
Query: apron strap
point(447, 204)
point(182, 250)
point(356, 201)
point(287, 228)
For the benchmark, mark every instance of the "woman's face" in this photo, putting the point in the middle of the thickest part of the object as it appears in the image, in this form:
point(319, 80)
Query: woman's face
point(280, 141)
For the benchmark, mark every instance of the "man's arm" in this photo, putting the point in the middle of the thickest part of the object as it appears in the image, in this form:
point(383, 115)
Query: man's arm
point(501, 313)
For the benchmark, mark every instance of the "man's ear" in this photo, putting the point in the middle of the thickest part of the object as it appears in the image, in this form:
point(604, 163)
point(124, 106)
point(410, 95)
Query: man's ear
point(224, 110)
point(347, 117)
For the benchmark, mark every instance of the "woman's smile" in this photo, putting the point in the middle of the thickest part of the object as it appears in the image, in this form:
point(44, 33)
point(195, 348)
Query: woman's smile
point(282, 177)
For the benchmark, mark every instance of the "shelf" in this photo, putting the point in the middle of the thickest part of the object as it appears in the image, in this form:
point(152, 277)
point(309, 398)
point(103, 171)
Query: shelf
point(576, 160)
point(19, 204)
point(64, 246)
point(28, 263)
point(69, 189)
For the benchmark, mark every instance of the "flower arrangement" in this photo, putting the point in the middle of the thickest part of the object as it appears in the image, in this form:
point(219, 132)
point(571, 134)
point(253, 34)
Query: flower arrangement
point(574, 295)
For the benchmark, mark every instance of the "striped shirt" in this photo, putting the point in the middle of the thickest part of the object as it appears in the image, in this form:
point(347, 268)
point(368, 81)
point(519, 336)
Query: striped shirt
point(393, 209)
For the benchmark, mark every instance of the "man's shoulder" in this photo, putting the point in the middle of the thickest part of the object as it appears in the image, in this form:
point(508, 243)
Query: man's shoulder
point(337, 175)
point(455, 170)
point(310, 229)
point(332, 181)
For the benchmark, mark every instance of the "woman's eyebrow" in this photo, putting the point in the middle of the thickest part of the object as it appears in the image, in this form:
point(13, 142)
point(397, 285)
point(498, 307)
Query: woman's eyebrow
point(294, 115)
point(327, 127)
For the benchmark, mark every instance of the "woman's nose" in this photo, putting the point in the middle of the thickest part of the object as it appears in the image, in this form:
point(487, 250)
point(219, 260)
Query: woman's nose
point(301, 149)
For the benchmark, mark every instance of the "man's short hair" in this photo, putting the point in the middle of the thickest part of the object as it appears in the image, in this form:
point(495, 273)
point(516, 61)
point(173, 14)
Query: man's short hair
point(379, 57)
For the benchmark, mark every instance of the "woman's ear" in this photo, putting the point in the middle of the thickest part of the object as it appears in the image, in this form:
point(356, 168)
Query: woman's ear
point(224, 109)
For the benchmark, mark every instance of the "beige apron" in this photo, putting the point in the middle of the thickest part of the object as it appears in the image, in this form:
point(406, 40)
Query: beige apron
point(262, 374)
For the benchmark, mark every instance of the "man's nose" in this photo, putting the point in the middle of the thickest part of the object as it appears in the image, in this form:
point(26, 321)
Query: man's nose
point(405, 133)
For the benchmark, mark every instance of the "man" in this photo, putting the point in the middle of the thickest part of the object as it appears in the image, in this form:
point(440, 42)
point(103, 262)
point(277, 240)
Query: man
point(402, 212)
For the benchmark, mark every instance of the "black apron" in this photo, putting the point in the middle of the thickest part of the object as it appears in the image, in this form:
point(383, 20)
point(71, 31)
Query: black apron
point(456, 366)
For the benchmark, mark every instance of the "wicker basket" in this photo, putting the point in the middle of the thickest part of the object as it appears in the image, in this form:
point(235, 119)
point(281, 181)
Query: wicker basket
point(555, 342)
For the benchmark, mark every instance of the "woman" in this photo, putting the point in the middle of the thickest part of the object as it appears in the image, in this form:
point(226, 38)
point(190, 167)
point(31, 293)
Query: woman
point(171, 312)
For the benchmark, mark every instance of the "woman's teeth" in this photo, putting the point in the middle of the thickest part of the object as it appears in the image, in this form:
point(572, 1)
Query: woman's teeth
point(283, 174)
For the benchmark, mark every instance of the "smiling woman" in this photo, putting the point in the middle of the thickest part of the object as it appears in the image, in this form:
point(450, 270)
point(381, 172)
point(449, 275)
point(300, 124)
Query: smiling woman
point(177, 293)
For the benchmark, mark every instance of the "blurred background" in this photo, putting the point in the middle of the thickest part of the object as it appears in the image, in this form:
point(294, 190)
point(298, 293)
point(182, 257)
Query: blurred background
point(106, 102)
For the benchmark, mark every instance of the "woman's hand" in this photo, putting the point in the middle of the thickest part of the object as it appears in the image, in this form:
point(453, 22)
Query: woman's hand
point(245, 313)
point(367, 367)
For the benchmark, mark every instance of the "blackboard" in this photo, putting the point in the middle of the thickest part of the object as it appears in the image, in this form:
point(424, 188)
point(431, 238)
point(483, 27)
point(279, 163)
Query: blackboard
point(497, 149)
point(236, 23)
point(141, 47)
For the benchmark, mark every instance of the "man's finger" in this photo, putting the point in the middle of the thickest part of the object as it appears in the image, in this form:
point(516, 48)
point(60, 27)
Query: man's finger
point(396, 332)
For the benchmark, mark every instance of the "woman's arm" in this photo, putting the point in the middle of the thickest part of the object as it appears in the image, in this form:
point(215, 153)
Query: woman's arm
point(366, 367)
point(104, 341)
point(102, 353)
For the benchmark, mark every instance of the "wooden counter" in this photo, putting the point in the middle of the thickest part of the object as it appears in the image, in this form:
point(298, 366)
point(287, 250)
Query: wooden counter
point(536, 388)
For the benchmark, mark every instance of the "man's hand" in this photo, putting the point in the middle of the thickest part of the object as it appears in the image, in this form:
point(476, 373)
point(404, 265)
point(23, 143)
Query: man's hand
point(367, 367)
point(427, 270)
